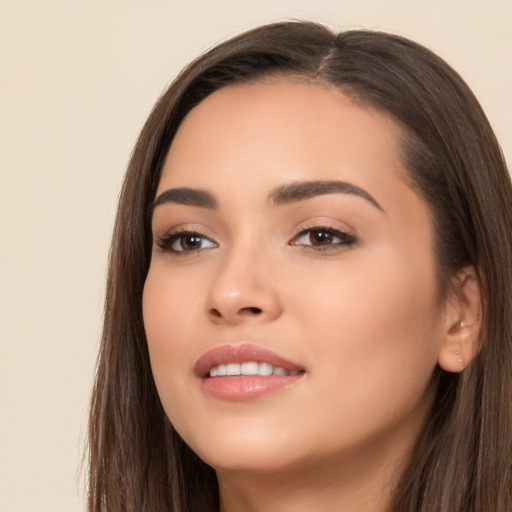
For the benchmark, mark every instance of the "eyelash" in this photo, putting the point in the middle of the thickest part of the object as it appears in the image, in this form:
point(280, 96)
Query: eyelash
point(346, 240)
point(165, 243)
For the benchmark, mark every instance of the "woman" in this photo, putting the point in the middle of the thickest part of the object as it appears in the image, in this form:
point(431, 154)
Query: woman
point(309, 298)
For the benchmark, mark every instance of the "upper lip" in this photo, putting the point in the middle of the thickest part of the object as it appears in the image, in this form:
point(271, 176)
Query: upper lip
point(239, 354)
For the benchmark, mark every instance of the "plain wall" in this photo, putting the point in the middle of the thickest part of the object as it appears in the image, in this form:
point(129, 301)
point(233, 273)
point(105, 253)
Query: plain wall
point(77, 80)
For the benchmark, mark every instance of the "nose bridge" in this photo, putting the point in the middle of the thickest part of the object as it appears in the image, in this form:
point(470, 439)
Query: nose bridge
point(242, 287)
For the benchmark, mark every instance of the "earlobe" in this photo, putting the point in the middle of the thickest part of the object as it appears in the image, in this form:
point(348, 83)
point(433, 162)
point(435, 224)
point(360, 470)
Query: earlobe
point(462, 322)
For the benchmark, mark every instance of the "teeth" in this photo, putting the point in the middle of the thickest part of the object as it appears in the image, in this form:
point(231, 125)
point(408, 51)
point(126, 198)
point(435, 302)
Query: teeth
point(232, 369)
point(249, 368)
point(265, 369)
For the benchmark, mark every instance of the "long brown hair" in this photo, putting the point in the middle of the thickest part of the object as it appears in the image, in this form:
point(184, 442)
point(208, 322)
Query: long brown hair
point(463, 459)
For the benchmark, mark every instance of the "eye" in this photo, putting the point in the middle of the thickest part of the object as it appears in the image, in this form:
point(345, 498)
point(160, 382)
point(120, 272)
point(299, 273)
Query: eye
point(185, 241)
point(323, 238)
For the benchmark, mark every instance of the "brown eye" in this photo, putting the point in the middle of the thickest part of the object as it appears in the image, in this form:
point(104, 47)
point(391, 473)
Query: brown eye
point(323, 238)
point(185, 241)
point(320, 237)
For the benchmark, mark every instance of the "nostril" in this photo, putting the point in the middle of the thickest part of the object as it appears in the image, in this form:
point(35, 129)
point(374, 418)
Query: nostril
point(251, 310)
point(235, 315)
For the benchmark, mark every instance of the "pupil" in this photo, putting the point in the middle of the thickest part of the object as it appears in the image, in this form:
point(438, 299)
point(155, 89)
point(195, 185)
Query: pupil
point(191, 242)
point(321, 237)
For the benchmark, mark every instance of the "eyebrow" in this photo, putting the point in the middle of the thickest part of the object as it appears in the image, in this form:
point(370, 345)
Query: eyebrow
point(186, 196)
point(282, 195)
point(307, 189)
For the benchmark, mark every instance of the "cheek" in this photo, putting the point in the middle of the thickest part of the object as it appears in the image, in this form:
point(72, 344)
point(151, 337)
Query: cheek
point(167, 308)
point(371, 302)
point(374, 330)
point(169, 318)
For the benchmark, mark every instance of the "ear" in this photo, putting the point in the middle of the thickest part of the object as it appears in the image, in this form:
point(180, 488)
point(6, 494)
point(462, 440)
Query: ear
point(462, 322)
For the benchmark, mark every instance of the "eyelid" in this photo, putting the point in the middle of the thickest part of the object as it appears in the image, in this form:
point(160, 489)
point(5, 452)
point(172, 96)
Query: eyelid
point(324, 222)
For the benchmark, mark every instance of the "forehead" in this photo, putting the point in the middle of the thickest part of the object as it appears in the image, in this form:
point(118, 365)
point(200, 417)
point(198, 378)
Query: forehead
point(298, 107)
point(283, 131)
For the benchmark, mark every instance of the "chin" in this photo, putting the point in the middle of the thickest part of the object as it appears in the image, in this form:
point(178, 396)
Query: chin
point(256, 450)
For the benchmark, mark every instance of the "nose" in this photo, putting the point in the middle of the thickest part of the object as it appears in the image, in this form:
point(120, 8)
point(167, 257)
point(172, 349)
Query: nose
point(243, 290)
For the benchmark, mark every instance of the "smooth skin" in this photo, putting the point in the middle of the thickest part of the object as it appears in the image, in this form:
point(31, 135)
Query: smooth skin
point(343, 283)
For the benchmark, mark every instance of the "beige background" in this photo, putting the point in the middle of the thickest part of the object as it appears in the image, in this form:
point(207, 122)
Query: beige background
point(77, 80)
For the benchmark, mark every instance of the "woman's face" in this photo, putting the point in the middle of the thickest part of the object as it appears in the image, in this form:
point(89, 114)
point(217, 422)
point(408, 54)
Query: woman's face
point(286, 242)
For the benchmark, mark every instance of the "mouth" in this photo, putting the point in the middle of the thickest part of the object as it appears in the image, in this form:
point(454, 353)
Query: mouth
point(244, 372)
point(249, 368)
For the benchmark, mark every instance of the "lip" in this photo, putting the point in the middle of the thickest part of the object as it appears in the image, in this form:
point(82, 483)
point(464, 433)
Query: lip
point(240, 354)
point(244, 387)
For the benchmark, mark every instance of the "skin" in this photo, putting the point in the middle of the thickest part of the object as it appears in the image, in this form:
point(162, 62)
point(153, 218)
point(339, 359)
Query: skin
point(365, 320)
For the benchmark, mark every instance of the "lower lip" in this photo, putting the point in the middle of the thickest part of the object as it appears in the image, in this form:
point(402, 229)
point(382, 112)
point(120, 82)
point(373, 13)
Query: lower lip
point(247, 387)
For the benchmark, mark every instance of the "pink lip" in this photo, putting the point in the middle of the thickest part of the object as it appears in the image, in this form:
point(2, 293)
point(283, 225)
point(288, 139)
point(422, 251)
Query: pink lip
point(244, 387)
point(240, 354)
